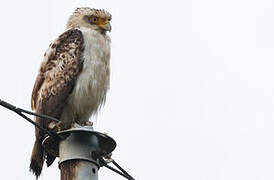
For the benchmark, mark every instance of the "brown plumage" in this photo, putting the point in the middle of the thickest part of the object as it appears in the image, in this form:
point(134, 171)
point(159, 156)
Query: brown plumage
point(73, 78)
point(53, 85)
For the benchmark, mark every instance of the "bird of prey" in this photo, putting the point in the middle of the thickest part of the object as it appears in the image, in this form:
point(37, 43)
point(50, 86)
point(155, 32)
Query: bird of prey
point(73, 78)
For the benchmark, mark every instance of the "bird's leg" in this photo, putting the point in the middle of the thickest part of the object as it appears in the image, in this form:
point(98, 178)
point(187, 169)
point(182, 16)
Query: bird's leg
point(57, 126)
point(84, 123)
point(88, 123)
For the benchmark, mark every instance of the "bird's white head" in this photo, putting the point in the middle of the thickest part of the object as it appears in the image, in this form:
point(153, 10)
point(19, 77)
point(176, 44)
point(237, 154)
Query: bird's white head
point(96, 19)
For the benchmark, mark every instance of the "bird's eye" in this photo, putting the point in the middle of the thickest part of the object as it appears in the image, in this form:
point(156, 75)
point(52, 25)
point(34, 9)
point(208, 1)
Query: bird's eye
point(93, 19)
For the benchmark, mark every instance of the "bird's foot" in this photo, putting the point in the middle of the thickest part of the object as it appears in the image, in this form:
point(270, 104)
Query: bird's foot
point(57, 126)
point(88, 123)
point(85, 123)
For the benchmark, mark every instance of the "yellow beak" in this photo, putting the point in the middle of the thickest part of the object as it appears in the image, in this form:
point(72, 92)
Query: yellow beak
point(106, 26)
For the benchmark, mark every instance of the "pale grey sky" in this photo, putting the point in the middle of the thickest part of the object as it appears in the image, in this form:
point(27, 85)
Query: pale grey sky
point(192, 92)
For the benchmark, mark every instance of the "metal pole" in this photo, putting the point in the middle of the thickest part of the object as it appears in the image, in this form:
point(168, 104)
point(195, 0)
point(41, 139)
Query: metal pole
point(79, 152)
point(78, 170)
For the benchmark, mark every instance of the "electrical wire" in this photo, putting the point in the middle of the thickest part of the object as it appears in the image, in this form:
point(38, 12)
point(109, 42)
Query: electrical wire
point(20, 112)
point(123, 173)
point(121, 169)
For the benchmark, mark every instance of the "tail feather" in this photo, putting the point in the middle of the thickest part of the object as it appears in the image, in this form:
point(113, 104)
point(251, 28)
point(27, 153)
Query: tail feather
point(37, 158)
point(50, 159)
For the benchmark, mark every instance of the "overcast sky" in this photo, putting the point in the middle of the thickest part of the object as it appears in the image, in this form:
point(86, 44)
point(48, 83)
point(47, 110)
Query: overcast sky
point(192, 92)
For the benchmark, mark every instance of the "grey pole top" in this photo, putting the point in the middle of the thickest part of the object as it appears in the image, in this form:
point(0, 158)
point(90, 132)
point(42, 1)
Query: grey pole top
point(79, 152)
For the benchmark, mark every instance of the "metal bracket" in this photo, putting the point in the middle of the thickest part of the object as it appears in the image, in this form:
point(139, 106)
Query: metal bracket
point(80, 143)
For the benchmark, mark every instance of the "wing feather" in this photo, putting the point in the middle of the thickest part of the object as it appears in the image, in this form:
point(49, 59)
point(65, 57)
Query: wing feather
point(38, 82)
point(57, 74)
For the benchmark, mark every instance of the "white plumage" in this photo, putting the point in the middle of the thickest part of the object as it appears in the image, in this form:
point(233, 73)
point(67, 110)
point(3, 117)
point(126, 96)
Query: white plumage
point(93, 82)
point(73, 78)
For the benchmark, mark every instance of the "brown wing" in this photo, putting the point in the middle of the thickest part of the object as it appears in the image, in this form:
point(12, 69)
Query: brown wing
point(55, 81)
point(58, 72)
